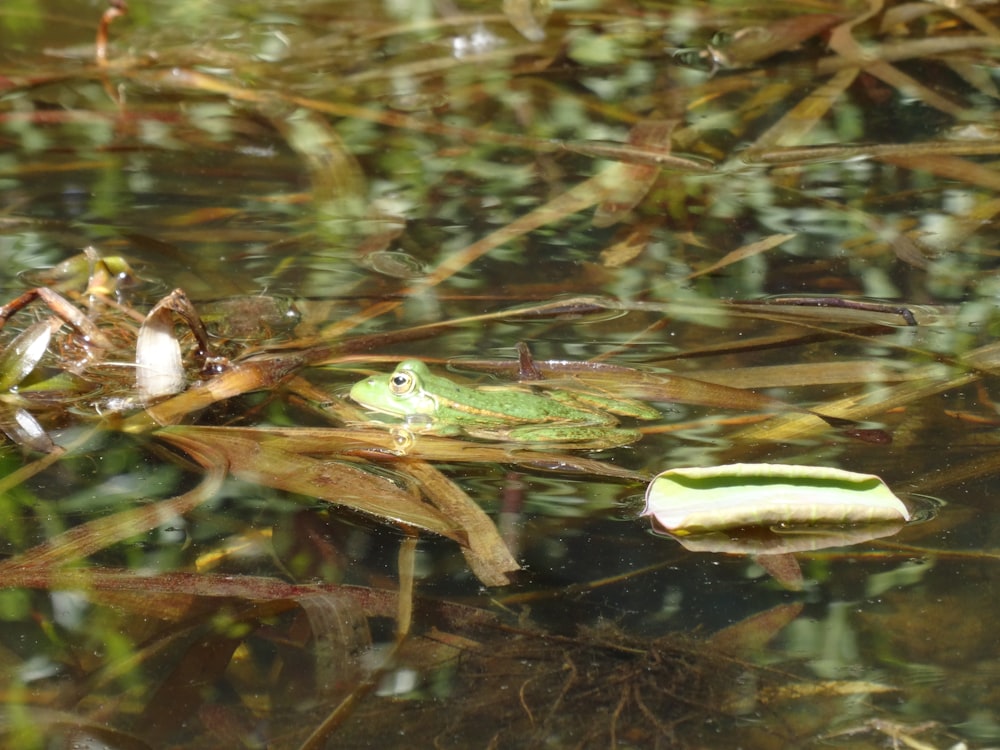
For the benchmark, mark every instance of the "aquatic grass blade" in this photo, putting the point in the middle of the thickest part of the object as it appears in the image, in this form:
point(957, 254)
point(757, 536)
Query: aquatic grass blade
point(91, 537)
point(487, 554)
point(334, 481)
point(281, 460)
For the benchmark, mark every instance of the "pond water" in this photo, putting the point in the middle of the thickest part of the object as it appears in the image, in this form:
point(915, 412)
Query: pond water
point(775, 225)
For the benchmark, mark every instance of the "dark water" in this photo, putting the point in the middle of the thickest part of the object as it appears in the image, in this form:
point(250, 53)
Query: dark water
point(372, 171)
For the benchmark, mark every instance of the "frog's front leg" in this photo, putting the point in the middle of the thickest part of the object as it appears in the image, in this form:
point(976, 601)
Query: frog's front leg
point(423, 424)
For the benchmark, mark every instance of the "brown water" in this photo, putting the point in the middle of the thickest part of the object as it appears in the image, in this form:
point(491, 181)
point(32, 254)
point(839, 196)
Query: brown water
point(445, 184)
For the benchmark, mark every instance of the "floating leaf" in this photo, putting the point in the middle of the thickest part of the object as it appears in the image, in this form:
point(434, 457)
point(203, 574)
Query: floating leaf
point(700, 499)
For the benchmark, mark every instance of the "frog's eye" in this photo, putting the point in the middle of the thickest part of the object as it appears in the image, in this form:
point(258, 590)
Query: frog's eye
point(401, 383)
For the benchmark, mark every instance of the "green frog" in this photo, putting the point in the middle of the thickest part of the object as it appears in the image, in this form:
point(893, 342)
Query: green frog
point(434, 404)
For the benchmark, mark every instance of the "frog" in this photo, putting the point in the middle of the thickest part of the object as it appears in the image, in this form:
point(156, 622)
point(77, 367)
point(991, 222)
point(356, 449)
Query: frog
point(434, 404)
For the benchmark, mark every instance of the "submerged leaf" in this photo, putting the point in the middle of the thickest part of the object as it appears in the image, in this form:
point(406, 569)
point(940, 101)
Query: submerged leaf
point(528, 17)
point(22, 354)
point(755, 43)
point(486, 553)
point(88, 538)
point(784, 569)
point(744, 252)
point(626, 184)
point(24, 429)
point(277, 458)
point(753, 633)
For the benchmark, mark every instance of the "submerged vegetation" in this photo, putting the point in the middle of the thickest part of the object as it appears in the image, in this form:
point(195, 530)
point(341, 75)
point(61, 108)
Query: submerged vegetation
point(692, 235)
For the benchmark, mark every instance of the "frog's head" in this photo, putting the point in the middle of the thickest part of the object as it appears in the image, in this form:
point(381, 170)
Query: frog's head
point(402, 393)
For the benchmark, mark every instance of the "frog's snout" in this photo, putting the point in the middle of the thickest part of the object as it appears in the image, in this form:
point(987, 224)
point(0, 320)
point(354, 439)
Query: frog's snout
point(358, 389)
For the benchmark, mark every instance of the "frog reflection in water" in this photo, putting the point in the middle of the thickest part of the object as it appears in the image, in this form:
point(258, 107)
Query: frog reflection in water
point(434, 404)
